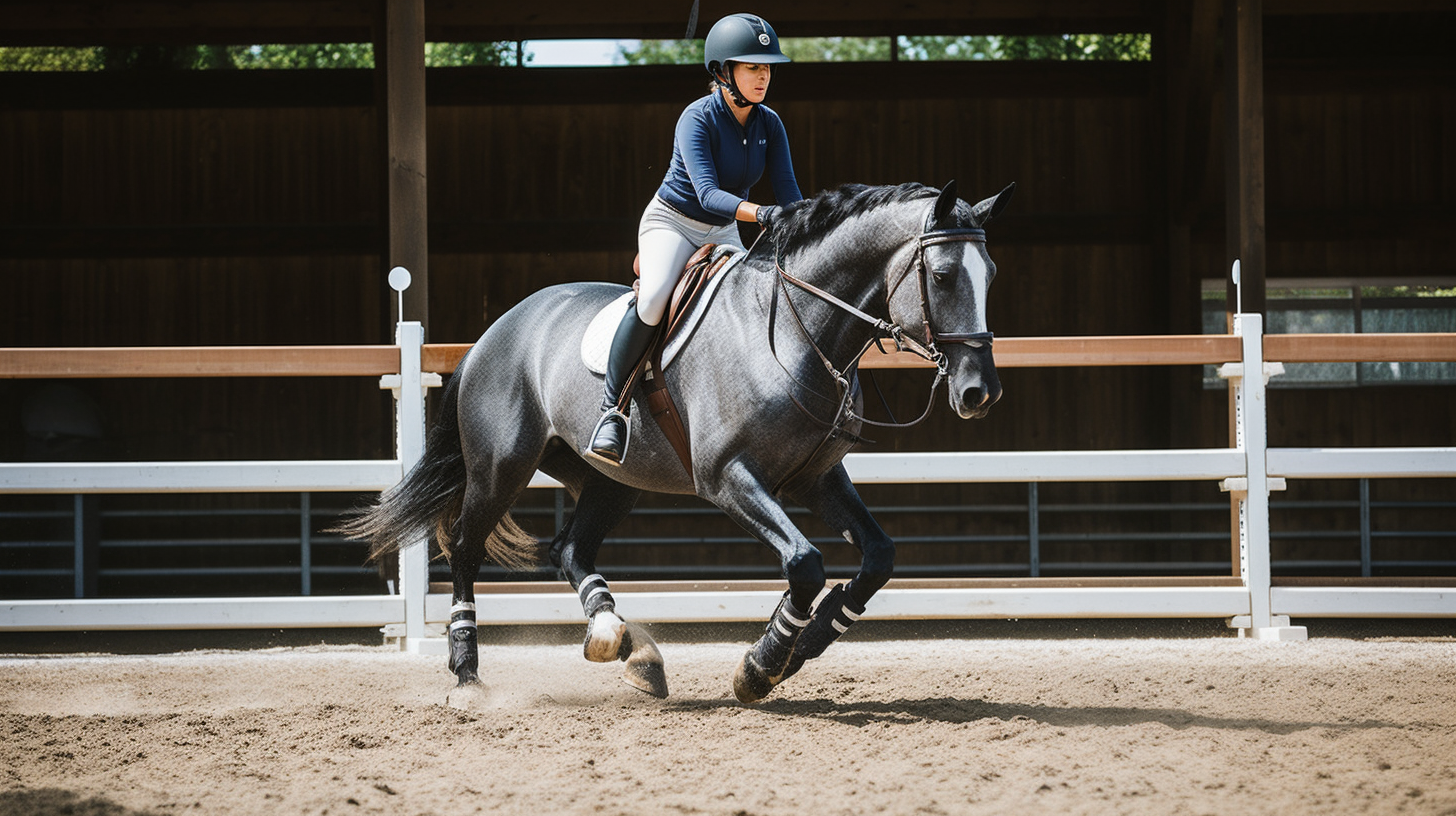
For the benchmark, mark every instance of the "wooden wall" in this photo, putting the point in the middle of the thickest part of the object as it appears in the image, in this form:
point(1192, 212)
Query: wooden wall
point(156, 216)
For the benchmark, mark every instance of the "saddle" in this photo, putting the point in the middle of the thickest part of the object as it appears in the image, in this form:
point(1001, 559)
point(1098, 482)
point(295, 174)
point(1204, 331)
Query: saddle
point(701, 268)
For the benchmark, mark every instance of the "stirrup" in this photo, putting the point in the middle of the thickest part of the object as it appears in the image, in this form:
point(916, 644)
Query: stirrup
point(602, 455)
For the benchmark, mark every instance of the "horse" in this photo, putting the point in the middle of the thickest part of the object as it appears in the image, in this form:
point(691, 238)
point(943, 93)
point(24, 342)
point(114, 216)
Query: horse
point(769, 398)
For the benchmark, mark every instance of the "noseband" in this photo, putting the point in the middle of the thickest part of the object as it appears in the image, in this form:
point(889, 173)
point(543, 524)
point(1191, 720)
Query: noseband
point(928, 348)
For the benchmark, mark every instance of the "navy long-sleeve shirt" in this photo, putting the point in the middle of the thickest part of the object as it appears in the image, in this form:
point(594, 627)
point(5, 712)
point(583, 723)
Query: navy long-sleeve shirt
point(715, 160)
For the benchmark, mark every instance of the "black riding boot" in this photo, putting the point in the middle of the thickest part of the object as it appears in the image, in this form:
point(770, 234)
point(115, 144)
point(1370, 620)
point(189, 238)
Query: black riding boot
point(609, 438)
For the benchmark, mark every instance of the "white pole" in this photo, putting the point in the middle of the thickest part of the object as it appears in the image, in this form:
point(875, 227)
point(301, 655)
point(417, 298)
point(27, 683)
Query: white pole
point(409, 427)
point(1253, 421)
point(414, 564)
point(409, 434)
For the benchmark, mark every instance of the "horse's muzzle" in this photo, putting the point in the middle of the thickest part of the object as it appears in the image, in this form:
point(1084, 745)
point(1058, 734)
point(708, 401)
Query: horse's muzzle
point(975, 403)
point(974, 386)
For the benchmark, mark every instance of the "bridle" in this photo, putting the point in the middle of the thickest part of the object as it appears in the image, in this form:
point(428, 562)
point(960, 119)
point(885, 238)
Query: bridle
point(927, 347)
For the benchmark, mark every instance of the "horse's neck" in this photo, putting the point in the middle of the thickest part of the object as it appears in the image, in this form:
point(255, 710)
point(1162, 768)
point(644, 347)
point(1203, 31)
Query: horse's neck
point(857, 268)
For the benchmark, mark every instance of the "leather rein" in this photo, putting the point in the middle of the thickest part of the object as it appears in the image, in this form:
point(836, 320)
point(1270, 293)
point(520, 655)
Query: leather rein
point(927, 347)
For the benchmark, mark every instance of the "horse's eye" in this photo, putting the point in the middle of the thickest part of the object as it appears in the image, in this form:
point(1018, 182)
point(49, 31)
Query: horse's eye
point(940, 278)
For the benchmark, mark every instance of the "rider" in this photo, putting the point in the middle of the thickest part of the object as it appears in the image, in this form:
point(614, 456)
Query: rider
point(723, 144)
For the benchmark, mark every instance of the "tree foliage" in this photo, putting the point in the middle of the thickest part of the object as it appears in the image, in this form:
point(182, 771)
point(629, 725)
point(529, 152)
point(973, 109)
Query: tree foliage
point(644, 52)
point(917, 48)
point(224, 57)
point(663, 52)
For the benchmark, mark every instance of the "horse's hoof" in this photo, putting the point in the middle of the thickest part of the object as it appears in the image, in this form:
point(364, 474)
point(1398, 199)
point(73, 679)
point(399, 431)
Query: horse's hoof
point(750, 682)
point(467, 697)
point(604, 637)
point(644, 670)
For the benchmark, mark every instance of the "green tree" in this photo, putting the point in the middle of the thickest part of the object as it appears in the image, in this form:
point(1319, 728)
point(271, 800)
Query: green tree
point(51, 58)
point(663, 52)
point(1078, 47)
point(306, 55)
point(926, 48)
point(836, 49)
point(226, 57)
point(473, 54)
point(918, 48)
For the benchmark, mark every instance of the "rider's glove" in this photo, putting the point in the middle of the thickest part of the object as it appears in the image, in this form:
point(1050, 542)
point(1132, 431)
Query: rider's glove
point(767, 215)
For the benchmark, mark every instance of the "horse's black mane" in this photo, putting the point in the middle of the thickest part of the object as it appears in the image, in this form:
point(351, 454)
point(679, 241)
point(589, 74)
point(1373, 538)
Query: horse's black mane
point(809, 220)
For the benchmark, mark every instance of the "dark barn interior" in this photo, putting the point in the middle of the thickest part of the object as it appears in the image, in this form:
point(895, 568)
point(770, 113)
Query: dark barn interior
point(1314, 141)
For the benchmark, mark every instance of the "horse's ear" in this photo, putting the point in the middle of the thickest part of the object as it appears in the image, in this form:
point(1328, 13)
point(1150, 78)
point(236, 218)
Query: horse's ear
point(992, 207)
point(944, 205)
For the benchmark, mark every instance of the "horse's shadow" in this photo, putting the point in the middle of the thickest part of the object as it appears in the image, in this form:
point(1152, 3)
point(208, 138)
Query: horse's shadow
point(957, 711)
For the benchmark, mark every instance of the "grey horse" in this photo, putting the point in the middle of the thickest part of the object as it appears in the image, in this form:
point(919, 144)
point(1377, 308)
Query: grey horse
point(769, 397)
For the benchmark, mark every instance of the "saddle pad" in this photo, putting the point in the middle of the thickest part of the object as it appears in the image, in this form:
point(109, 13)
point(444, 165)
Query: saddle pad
point(596, 343)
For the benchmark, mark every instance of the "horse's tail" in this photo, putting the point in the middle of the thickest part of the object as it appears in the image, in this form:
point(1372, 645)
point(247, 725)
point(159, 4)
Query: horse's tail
point(429, 500)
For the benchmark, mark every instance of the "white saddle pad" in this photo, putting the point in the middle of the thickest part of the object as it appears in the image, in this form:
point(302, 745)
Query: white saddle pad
point(596, 344)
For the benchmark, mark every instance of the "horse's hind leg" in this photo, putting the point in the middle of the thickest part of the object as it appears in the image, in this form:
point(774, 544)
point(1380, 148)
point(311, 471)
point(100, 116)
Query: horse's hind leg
point(600, 507)
point(834, 499)
point(484, 509)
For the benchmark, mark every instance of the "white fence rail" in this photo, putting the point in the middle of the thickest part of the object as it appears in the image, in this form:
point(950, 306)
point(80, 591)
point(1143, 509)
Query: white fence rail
point(1247, 470)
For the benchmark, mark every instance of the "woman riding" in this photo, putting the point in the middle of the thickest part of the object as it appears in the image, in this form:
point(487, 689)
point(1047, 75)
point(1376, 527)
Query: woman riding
point(723, 144)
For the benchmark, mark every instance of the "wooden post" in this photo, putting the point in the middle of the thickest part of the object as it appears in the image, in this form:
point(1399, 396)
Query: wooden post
point(399, 61)
point(1243, 58)
point(1244, 148)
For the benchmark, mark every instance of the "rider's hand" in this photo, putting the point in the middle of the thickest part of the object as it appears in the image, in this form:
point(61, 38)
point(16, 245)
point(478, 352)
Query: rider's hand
point(768, 215)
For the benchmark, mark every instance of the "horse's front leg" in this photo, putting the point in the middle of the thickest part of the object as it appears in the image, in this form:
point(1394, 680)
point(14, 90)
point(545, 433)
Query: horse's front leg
point(834, 499)
point(600, 507)
point(748, 502)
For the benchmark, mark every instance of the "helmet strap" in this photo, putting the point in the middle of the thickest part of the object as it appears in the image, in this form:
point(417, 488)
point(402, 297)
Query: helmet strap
point(732, 85)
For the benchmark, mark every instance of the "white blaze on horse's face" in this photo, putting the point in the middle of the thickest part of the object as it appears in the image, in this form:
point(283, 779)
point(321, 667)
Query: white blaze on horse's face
point(979, 274)
point(958, 290)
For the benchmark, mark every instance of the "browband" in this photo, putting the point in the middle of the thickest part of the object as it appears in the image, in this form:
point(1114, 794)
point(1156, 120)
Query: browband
point(947, 236)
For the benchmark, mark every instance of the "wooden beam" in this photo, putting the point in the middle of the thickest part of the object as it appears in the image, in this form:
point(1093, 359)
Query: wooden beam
point(147, 90)
point(199, 361)
point(1011, 352)
point(802, 18)
point(1414, 347)
point(1354, 581)
point(168, 22)
point(77, 22)
point(164, 22)
point(400, 60)
point(628, 85)
point(654, 84)
point(1325, 7)
point(189, 240)
point(1023, 352)
point(1244, 148)
point(596, 234)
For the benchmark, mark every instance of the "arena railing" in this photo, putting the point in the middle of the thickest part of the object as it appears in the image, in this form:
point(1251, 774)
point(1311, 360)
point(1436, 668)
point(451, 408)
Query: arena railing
point(1248, 470)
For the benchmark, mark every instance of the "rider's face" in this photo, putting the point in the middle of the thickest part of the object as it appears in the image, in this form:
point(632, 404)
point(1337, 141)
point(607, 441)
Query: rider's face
point(752, 80)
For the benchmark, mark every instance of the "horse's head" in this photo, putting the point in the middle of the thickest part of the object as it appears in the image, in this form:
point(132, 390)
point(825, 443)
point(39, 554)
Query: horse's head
point(955, 274)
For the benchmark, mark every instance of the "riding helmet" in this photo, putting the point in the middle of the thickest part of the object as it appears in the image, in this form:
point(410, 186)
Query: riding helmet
point(741, 38)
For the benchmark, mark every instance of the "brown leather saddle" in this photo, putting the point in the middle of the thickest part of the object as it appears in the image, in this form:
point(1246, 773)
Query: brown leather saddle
point(700, 269)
